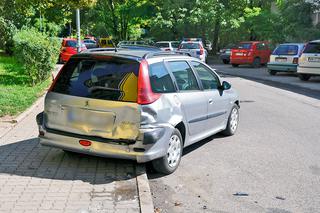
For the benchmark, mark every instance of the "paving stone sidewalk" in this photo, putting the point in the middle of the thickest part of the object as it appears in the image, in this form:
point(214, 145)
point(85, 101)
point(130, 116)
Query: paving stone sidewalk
point(34, 178)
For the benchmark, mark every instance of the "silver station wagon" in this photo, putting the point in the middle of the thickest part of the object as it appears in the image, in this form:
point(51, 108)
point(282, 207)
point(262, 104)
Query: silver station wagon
point(134, 104)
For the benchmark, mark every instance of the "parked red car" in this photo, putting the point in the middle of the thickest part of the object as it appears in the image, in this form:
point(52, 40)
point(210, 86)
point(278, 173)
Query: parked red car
point(254, 53)
point(69, 48)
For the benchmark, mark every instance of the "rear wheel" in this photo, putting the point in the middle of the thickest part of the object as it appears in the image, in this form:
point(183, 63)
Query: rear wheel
point(233, 121)
point(256, 63)
point(235, 65)
point(304, 77)
point(170, 162)
point(272, 72)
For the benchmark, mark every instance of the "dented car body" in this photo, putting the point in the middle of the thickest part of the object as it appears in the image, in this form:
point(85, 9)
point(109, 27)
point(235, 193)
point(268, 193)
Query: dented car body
point(128, 105)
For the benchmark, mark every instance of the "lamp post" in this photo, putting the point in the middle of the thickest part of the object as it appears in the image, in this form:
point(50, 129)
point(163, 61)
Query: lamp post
point(78, 30)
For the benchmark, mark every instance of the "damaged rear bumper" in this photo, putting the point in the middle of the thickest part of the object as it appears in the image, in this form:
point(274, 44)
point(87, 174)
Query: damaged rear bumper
point(151, 144)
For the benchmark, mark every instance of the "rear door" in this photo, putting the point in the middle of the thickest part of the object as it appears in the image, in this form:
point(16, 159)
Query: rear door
point(192, 99)
point(263, 52)
point(95, 97)
point(218, 103)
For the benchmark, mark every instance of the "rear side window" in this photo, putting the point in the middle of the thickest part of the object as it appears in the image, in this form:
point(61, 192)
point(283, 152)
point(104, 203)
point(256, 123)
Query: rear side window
point(286, 50)
point(114, 80)
point(312, 48)
point(160, 79)
point(175, 44)
point(184, 76)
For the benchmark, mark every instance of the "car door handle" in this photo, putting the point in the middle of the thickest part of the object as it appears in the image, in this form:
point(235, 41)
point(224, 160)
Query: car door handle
point(210, 101)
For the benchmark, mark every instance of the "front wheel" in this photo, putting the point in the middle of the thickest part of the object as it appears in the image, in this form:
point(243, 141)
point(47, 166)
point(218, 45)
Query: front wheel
point(233, 121)
point(170, 162)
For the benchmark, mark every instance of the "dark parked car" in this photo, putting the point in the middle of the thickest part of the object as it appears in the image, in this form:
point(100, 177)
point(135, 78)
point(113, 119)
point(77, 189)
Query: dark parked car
point(225, 53)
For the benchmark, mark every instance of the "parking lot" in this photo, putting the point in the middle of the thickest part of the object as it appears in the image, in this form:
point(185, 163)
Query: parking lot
point(272, 163)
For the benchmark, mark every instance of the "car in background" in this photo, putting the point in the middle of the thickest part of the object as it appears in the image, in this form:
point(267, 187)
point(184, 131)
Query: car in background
point(167, 45)
point(105, 42)
point(195, 48)
point(285, 58)
point(90, 43)
point(136, 105)
point(122, 43)
point(225, 53)
point(68, 49)
point(309, 61)
point(255, 53)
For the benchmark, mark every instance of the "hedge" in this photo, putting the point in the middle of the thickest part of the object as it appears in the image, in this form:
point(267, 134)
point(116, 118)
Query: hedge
point(37, 52)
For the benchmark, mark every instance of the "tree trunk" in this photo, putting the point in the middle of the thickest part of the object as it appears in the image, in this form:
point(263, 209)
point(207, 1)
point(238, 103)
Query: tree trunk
point(216, 33)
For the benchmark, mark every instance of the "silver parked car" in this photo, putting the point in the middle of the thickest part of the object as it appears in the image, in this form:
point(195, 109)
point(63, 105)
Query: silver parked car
point(139, 105)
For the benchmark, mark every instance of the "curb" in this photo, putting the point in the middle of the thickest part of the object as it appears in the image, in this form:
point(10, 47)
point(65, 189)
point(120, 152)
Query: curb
point(23, 115)
point(144, 192)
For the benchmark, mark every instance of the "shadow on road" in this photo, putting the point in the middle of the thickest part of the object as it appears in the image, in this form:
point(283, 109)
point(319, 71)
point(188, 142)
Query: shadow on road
point(29, 158)
point(152, 174)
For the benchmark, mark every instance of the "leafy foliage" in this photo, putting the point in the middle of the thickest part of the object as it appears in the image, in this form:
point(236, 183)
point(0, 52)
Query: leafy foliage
point(37, 52)
point(7, 31)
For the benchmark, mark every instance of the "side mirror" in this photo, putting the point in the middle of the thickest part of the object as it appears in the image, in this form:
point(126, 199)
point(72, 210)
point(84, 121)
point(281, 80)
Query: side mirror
point(225, 85)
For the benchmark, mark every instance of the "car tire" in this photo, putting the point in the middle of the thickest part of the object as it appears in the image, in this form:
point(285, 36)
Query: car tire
point(256, 63)
point(170, 162)
point(235, 65)
point(233, 121)
point(304, 77)
point(272, 72)
point(225, 61)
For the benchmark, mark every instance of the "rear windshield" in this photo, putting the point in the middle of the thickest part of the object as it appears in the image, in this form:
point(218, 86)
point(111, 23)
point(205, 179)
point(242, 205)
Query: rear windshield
point(312, 48)
point(286, 50)
point(245, 46)
point(190, 46)
point(114, 80)
point(71, 43)
point(162, 44)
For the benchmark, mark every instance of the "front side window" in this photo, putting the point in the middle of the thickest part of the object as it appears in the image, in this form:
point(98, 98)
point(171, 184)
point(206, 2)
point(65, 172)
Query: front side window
point(160, 79)
point(184, 76)
point(208, 79)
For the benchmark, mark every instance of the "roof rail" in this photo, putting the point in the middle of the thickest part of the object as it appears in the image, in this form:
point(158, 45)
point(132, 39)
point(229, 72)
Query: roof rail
point(163, 53)
point(107, 49)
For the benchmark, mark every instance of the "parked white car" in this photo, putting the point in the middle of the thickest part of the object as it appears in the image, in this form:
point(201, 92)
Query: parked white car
point(168, 45)
point(195, 48)
point(309, 61)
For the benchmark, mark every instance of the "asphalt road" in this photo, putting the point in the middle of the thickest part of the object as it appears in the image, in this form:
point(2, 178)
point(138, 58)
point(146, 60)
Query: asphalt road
point(271, 165)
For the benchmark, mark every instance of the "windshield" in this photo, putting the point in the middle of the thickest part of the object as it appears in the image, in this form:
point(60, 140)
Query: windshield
point(312, 48)
point(190, 46)
point(286, 50)
point(163, 44)
point(245, 46)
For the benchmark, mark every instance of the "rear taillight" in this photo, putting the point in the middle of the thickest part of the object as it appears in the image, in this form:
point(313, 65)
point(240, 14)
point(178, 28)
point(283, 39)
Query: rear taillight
point(168, 49)
point(145, 93)
point(295, 60)
point(201, 51)
point(85, 142)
